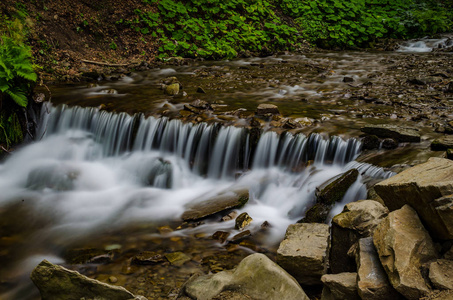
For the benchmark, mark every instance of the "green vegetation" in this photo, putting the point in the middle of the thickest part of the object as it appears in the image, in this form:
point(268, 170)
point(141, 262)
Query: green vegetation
point(357, 23)
point(16, 76)
point(222, 29)
point(214, 28)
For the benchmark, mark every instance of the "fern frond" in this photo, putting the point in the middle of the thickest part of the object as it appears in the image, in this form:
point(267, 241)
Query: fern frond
point(27, 75)
point(18, 96)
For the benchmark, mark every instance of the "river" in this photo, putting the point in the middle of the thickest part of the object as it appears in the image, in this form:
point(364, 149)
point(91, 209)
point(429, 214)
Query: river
point(108, 174)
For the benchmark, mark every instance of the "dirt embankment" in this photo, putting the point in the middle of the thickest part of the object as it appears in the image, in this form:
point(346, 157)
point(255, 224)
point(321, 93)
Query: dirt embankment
point(65, 33)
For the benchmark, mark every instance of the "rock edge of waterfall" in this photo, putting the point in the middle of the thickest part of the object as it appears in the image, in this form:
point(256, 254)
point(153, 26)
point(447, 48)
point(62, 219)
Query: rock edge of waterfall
point(399, 248)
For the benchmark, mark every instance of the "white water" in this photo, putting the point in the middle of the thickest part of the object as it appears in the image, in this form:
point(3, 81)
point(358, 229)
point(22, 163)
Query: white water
point(88, 174)
point(425, 44)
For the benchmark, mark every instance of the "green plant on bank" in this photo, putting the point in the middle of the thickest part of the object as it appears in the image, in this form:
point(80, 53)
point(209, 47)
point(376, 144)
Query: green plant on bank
point(357, 23)
point(214, 28)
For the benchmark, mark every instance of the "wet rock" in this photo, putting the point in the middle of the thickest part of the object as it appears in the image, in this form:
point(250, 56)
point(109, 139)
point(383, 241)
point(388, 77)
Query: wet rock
point(303, 252)
point(201, 90)
point(147, 258)
point(370, 142)
point(221, 236)
point(441, 274)
point(389, 143)
point(256, 277)
point(58, 177)
point(172, 89)
point(358, 220)
point(177, 258)
point(398, 133)
point(372, 281)
point(216, 204)
point(348, 79)
point(450, 154)
point(242, 221)
point(404, 245)
point(201, 104)
point(423, 187)
point(327, 194)
point(264, 109)
point(341, 286)
point(442, 144)
point(55, 283)
point(241, 236)
point(232, 215)
point(101, 259)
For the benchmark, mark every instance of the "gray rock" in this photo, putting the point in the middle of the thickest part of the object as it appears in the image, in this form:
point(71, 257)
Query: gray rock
point(372, 281)
point(342, 286)
point(398, 133)
point(303, 252)
point(264, 109)
point(404, 245)
point(221, 202)
point(421, 187)
point(441, 274)
point(358, 220)
point(57, 283)
point(255, 277)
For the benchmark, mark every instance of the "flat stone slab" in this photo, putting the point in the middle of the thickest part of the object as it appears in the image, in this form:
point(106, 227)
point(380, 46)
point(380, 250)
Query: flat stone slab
point(303, 252)
point(401, 134)
point(213, 205)
point(341, 286)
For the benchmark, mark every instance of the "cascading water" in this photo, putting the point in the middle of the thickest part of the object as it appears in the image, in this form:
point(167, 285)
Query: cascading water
point(94, 170)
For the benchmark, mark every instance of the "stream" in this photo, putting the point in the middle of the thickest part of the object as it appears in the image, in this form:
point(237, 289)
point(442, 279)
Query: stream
point(116, 163)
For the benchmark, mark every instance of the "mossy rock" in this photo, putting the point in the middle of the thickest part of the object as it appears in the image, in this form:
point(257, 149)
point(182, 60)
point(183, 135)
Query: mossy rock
point(334, 189)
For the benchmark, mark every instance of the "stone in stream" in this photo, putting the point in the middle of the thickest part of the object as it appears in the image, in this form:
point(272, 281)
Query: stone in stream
point(441, 274)
point(57, 283)
point(404, 246)
point(220, 236)
point(147, 258)
point(256, 277)
point(327, 194)
point(442, 144)
point(358, 220)
point(264, 109)
point(372, 281)
point(241, 236)
point(177, 258)
point(348, 79)
point(370, 142)
point(303, 252)
point(342, 286)
point(401, 134)
point(427, 188)
point(213, 205)
point(242, 221)
point(389, 143)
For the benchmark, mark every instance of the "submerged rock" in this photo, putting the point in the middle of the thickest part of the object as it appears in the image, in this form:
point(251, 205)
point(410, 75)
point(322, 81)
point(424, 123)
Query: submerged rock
point(57, 283)
point(328, 194)
point(358, 220)
point(404, 245)
point(398, 133)
point(342, 286)
point(224, 201)
point(256, 277)
point(423, 187)
point(303, 252)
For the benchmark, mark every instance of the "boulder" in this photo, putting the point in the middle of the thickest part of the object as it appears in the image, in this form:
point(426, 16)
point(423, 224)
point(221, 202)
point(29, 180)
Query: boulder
point(401, 134)
point(421, 187)
point(404, 245)
point(213, 205)
point(358, 220)
point(255, 277)
point(327, 194)
point(171, 89)
point(342, 286)
point(303, 252)
point(441, 274)
point(372, 281)
point(442, 144)
point(264, 109)
point(389, 143)
point(55, 283)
